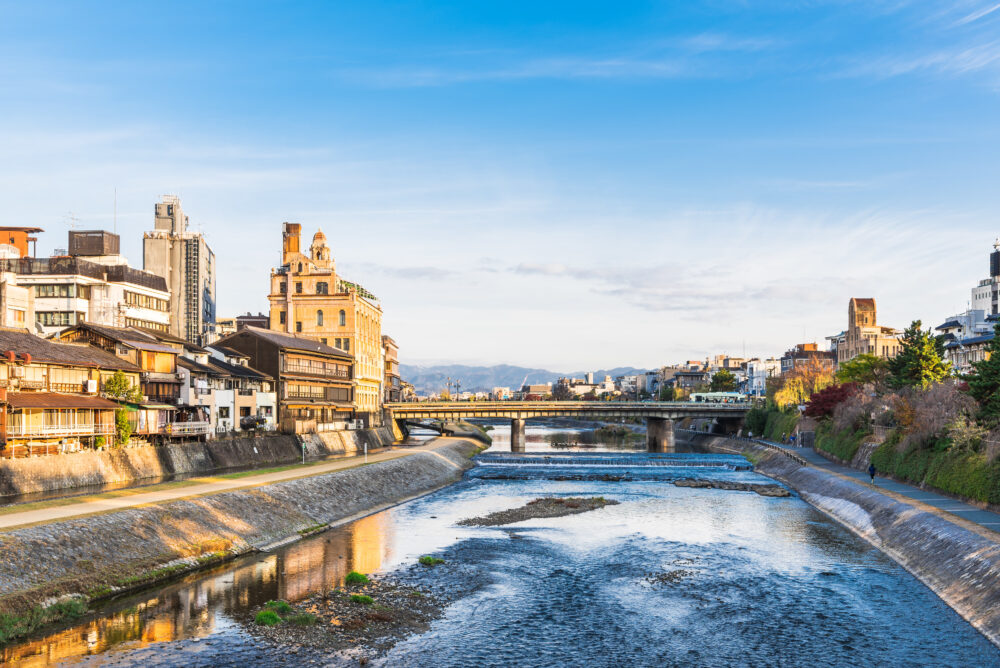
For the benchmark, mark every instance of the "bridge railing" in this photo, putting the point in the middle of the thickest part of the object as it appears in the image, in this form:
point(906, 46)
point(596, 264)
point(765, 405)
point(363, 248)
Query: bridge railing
point(574, 405)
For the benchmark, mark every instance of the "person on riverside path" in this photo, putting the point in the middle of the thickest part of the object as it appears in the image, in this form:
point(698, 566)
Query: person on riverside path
point(871, 472)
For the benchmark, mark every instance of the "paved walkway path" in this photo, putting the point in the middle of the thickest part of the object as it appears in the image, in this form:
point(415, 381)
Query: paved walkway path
point(79, 506)
point(984, 518)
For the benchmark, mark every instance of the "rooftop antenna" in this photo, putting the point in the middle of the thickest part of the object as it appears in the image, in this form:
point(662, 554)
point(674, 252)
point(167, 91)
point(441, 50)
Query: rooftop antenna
point(71, 220)
point(116, 210)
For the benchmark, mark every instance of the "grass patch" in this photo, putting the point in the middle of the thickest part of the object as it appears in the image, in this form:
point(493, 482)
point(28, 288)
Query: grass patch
point(315, 528)
point(16, 626)
point(99, 592)
point(267, 618)
point(362, 599)
point(427, 560)
point(842, 444)
point(302, 619)
point(155, 574)
point(355, 578)
point(280, 607)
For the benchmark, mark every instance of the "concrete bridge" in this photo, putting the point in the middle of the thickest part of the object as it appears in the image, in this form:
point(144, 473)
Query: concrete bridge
point(659, 416)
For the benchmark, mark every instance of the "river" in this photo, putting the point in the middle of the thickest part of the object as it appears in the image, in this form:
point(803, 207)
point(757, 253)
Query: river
point(670, 576)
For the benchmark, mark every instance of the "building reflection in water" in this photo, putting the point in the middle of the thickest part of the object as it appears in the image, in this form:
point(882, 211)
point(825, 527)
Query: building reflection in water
point(191, 607)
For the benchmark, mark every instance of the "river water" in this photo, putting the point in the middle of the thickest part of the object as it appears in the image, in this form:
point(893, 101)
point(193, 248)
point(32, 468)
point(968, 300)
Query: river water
point(670, 576)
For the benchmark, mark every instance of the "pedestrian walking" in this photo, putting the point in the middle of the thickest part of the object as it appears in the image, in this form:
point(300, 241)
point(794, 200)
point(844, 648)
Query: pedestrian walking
point(871, 472)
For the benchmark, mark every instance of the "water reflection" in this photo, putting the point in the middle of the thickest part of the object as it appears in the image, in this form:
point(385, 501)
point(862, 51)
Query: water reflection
point(193, 607)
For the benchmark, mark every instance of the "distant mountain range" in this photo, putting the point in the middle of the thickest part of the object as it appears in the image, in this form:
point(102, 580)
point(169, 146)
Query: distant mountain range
point(427, 379)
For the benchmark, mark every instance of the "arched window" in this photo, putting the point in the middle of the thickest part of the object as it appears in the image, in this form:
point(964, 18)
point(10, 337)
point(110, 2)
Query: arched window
point(300, 267)
point(319, 318)
point(322, 288)
point(343, 318)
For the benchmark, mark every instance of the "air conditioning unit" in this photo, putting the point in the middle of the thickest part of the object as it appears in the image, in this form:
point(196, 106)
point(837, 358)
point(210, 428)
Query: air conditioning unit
point(91, 386)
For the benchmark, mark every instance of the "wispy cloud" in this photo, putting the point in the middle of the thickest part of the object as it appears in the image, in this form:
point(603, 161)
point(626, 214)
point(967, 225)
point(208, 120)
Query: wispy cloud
point(978, 14)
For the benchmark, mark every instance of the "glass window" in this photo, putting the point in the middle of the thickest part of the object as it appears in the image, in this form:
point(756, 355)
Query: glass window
point(343, 318)
point(298, 288)
point(281, 317)
point(322, 288)
point(319, 319)
point(283, 287)
point(298, 326)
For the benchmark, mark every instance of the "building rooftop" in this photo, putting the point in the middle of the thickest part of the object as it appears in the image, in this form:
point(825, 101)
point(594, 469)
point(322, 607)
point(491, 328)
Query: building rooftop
point(21, 341)
point(288, 341)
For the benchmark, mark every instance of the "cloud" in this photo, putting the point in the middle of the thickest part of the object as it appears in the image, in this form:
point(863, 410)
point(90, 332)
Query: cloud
point(978, 14)
point(419, 273)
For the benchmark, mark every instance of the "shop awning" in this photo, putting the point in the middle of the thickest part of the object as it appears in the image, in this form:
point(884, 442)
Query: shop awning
point(18, 400)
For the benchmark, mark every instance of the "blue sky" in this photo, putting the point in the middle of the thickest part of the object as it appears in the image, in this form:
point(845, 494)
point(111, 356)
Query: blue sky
point(566, 185)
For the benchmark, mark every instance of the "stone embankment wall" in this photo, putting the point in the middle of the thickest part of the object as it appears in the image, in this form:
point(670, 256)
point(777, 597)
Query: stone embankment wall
point(81, 555)
point(90, 467)
point(958, 560)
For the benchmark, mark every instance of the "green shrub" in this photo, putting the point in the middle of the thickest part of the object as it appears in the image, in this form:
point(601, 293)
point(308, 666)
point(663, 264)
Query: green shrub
point(267, 618)
point(756, 421)
point(362, 599)
point(280, 607)
point(100, 442)
point(355, 578)
point(841, 444)
point(430, 561)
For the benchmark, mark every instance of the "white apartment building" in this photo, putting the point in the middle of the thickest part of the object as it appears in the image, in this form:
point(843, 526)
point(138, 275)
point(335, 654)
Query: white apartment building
point(757, 373)
point(93, 283)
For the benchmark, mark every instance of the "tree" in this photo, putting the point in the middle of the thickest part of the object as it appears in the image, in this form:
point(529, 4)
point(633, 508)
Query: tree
point(723, 381)
point(865, 370)
point(561, 392)
point(117, 386)
point(123, 428)
point(668, 393)
point(984, 381)
point(821, 404)
point(794, 387)
point(919, 362)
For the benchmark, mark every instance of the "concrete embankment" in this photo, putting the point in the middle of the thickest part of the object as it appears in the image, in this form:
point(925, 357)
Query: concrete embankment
point(98, 554)
point(958, 560)
point(90, 467)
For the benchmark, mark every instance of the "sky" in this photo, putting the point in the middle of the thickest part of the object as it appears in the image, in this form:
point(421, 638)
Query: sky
point(564, 185)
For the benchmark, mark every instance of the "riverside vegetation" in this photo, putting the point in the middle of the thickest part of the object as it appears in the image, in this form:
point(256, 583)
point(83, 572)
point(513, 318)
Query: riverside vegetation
point(939, 430)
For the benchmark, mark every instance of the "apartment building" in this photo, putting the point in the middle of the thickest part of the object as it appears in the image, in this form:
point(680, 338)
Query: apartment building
point(185, 261)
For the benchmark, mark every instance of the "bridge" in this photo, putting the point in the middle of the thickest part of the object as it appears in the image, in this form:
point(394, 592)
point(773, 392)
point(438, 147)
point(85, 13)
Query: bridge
point(659, 415)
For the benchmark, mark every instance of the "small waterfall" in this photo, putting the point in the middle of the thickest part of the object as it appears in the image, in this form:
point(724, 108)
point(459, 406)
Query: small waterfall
point(863, 456)
point(604, 466)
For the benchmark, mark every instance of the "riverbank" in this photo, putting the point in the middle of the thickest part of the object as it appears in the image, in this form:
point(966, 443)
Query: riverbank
point(123, 466)
point(98, 556)
point(958, 560)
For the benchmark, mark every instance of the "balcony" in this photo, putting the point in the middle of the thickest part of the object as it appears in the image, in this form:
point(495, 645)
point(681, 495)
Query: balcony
point(315, 370)
point(58, 430)
point(188, 428)
point(245, 393)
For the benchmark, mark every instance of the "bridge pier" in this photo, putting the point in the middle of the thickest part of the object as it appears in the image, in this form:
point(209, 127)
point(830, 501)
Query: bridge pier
point(517, 435)
point(659, 435)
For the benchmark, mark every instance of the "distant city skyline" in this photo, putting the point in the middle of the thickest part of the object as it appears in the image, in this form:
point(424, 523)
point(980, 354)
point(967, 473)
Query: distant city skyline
point(561, 186)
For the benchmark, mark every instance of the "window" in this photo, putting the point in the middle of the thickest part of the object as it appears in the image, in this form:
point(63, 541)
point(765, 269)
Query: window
point(343, 318)
point(322, 288)
point(281, 317)
point(57, 290)
point(142, 301)
point(300, 267)
point(298, 326)
point(298, 288)
point(55, 318)
point(324, 341)
point(319, 319)
point(244, 411)
point(347, 345)
point(223, 411)
point(283, 287)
